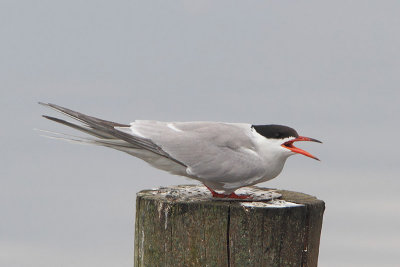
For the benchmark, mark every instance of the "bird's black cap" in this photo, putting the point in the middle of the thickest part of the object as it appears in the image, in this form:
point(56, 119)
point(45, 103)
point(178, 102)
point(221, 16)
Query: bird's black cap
point(275, 131)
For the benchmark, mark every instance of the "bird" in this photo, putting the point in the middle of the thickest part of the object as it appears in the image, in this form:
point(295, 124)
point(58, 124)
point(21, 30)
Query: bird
point(223, 156)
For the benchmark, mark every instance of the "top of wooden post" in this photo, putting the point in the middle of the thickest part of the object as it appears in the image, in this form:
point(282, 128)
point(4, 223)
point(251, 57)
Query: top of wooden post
point(266, 197)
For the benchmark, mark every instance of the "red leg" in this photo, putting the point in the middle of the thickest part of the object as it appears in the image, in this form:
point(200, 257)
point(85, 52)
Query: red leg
point(231, 195)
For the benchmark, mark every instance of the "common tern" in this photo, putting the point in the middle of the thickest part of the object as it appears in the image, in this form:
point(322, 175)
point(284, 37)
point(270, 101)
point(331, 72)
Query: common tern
point(222, 156)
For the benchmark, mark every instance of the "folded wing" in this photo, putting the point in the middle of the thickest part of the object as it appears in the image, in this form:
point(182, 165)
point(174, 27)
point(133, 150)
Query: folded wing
point(219, 152)
point(208, 151)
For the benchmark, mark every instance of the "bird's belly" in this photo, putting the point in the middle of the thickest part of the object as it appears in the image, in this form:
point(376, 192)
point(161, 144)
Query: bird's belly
point(270, 173)
point(247, 182)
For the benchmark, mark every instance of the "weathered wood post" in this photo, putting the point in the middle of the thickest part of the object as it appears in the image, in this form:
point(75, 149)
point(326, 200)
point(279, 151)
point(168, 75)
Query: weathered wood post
point(184, 226)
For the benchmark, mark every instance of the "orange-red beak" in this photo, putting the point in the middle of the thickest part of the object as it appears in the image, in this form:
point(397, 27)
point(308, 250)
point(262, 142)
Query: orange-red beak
point(289, 145)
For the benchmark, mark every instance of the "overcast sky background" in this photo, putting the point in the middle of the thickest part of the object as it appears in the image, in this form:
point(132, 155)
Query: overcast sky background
point(330, 69)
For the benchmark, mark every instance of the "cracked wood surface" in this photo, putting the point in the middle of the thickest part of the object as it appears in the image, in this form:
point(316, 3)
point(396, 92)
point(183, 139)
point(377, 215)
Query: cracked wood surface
point(174, 230)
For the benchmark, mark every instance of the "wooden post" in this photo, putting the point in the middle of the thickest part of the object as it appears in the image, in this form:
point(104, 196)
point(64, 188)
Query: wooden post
point(184, 226)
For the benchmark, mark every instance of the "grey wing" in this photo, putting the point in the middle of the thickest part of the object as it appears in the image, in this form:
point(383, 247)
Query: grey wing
point(218, 152)
point(108, 133)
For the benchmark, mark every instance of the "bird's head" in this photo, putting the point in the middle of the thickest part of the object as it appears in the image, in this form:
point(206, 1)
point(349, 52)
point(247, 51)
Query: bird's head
point(283, 138)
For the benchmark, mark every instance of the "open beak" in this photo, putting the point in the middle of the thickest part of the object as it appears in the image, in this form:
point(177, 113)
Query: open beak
point(289, 145)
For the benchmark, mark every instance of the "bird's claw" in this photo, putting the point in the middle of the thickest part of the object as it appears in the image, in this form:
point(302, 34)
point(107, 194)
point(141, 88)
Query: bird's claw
point(231, 195)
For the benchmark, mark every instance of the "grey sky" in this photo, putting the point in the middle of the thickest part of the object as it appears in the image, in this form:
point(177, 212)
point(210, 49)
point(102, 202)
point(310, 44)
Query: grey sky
point(330, 69)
